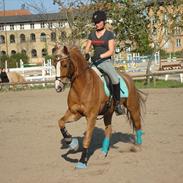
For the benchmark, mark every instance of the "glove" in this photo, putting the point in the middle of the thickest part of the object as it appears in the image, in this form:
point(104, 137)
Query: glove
point(87, 56)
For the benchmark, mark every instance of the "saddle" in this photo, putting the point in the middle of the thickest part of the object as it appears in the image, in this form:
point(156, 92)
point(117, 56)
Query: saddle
point(108, 88)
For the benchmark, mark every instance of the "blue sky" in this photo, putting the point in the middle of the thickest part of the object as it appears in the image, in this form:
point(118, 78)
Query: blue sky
point(16, 4)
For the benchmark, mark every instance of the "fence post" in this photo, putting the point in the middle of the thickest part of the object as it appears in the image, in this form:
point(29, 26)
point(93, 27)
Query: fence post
point(43, 72)
point(166, 77)
point(154, 81)
point(181, 77)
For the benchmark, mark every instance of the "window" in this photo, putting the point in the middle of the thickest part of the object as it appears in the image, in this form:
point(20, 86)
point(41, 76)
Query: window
point(13, 52)
point(166, 44)
point(63, 35)
point(11, 27)
point(53, 36)
point(2, 39)
point(32, 37)
point(12, 38)
point(42, 25)
point(34, 53)
point(32, 25)
point(3, 53)
point(177, 31)
point(1, 27)
point(178, 43)
point(44, 52)
point(22, 38)
point(43, 37)
point(21, 26)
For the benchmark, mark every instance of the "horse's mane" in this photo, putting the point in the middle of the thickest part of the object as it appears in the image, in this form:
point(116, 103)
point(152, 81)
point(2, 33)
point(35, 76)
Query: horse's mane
point(77, 57)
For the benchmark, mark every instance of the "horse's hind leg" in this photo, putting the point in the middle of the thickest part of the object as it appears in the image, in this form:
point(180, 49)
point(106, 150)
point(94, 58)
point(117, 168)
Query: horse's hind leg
point(136, 120)
point(108, 132)
point(69, 117)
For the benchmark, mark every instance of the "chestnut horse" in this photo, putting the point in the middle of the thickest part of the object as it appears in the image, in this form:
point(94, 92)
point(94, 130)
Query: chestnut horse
point(87, 98)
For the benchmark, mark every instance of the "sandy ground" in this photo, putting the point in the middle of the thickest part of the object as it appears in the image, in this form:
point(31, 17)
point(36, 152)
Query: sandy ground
point(30, 149)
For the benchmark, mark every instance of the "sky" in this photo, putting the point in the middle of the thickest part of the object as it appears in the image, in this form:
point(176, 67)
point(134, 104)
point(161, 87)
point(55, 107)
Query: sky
point(16, 4)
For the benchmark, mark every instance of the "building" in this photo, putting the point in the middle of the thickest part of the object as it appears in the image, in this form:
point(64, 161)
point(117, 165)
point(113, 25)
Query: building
point(36, 34)
point(166, 25)
point(33, 34)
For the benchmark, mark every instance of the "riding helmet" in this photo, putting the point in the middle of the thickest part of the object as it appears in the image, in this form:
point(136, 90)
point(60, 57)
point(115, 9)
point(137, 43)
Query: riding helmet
point(99, 16)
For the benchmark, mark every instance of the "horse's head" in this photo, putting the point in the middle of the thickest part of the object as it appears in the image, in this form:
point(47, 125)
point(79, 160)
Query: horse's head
point(63, 66)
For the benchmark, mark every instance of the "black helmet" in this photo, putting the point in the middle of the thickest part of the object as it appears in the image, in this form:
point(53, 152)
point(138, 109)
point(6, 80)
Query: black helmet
point(99, 16)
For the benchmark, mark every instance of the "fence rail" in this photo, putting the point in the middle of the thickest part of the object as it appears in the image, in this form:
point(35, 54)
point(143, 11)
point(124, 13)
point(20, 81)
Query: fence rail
point(135, 76)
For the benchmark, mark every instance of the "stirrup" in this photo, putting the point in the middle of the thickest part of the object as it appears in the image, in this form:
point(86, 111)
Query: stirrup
point(119, 109)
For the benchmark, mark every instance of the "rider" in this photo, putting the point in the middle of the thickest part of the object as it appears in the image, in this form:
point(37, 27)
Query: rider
point(103, 43)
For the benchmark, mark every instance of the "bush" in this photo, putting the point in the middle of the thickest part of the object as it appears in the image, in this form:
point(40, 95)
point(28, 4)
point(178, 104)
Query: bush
point(164, 54)
point(14, 60)
point(178, 54)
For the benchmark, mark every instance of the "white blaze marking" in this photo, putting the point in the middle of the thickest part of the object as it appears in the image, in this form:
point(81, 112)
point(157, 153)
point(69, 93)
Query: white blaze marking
point(58, 74)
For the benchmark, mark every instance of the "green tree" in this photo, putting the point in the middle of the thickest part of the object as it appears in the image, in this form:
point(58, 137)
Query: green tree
point(13, 60)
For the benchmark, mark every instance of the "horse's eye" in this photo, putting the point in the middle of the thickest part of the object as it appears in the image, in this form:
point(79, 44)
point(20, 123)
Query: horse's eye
point(64, 65)
point(57, 58)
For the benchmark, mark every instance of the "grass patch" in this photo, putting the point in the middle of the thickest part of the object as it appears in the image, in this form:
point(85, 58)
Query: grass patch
point(159, 84)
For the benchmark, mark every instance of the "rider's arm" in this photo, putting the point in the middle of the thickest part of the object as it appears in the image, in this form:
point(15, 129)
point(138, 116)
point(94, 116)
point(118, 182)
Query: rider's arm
point(88, 46)
point(87, 50)
point(110, 52)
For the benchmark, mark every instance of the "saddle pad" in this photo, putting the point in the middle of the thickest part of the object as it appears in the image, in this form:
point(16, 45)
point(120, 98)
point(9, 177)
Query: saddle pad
point(123, 86)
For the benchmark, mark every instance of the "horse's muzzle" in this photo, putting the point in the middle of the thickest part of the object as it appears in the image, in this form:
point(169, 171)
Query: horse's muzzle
point(59, 86)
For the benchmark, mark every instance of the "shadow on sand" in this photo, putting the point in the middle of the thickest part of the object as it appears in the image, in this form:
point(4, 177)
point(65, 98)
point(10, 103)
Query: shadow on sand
point(96, 143)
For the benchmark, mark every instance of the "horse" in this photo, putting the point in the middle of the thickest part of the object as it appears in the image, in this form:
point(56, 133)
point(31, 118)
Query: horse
point(15, 77)
point(11, 77)
point(87, 98)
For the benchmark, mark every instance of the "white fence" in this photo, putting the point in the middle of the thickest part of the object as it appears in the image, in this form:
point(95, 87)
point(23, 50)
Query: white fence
point(36, 73)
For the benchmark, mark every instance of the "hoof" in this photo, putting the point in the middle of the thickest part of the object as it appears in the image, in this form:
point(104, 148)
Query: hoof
point(104, 152)
point(105, 146)
point(74, 145)
point(80, 165)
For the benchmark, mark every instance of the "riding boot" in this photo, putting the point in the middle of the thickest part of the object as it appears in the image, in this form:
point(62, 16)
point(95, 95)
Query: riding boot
point(119, 109)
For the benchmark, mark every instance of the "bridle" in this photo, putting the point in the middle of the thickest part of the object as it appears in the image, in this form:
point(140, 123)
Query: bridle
point(69, 74)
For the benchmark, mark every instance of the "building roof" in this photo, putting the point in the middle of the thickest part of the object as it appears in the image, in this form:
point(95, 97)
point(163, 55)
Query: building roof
point(32, 18)
point(15, 12)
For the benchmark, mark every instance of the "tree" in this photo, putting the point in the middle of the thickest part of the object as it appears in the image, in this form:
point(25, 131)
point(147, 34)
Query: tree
point(13, 60)
point(145, 26)
point(78, 17)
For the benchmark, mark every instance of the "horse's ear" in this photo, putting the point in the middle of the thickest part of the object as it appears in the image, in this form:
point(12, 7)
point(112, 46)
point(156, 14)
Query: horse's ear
point(65, 50)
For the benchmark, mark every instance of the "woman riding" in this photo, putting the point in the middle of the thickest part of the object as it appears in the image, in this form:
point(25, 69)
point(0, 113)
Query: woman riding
point(103, 43)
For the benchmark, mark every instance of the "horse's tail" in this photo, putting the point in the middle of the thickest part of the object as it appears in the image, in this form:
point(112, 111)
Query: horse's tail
point(141, 107)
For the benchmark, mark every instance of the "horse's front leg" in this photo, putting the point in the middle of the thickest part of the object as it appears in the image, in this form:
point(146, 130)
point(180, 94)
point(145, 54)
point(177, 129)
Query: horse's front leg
point(69, 117)
point(86, 142)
